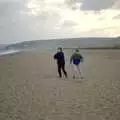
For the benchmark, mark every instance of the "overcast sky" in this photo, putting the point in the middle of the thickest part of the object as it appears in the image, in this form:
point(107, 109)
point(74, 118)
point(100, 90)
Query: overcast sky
point(42, 19)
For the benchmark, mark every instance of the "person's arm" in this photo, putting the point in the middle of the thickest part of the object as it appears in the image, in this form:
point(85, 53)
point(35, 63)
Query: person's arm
point(55, 56)
point(63, 55)
point(71, 58)
point(81, 57)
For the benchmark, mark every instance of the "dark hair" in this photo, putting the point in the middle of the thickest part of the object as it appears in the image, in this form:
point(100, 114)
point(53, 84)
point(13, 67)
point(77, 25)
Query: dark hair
point(60, 48)
point(77, 50)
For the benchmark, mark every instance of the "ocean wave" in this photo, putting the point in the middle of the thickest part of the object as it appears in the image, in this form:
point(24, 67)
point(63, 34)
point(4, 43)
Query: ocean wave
point(6, 52)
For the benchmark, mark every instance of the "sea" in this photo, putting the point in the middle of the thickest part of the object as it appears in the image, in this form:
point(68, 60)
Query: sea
point(52, 45)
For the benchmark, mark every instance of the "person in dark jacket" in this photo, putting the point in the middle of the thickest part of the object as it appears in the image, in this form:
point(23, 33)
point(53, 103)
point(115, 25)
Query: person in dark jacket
point(59, 56)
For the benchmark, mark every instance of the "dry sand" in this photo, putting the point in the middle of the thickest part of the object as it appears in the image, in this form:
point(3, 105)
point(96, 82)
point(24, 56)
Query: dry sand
point(30, 89)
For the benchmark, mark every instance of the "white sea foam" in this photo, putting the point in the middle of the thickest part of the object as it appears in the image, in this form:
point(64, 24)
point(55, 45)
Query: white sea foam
point(6, 52)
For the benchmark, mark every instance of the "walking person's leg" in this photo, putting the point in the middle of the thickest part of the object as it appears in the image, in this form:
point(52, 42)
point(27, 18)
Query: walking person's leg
point(74, 70)
point(79, 70)
point(64, 71)
point(59, 70)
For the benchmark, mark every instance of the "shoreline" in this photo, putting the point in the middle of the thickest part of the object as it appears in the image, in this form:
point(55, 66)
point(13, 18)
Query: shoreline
point(9, 52)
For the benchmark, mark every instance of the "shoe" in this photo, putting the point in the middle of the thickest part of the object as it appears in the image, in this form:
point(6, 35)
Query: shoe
point(82, 77)
point(66, 76)
point(59, 77)
point(73, 77)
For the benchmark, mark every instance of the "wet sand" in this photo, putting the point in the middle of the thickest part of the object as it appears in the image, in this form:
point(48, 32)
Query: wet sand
point(30, 89)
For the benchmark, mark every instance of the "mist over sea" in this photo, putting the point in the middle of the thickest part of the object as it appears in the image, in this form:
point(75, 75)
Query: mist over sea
point(51, 45)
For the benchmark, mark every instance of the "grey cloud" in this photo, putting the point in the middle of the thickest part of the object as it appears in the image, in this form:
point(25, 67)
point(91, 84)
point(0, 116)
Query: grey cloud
point(17, 26)
point(8, 8)
point(97, 5)
point(93, 5)
point(117, 17)
point(117, 4)
point(68, 23)
point(9, 15)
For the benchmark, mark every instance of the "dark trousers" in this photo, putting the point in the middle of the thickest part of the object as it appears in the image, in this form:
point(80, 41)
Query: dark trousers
point(61, 67)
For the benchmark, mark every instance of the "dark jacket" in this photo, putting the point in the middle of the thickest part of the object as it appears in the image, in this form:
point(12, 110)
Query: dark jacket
point(59, 56)
point(76, 58)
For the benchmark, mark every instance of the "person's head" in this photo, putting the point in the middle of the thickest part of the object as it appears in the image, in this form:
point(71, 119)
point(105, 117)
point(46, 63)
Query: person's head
point(59, 49)
point(77, 50)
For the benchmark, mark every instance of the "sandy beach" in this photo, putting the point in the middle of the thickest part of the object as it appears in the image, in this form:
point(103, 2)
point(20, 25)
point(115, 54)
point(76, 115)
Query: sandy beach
point(31, 90)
